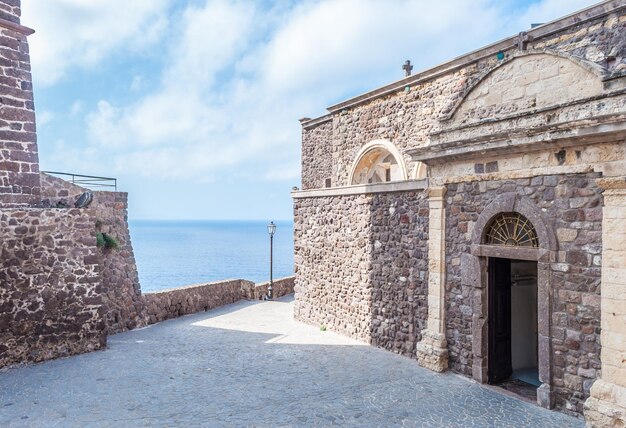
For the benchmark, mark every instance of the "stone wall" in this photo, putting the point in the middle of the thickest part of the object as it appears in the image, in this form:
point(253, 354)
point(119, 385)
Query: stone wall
point(176, 302)
point(120, 280)
point(51, 297)
point(281, 287)
point(573, 205)
point(361, 266)
point(409, 115)
point(10, 10)
point(60, 294)
point(58, 193)
point(317, 162)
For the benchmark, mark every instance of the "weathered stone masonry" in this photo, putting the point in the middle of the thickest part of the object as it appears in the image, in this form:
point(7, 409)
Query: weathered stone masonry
point(51, 295)
point(51, 301)
point(531, 124)
point(176, 302)
point(361, 266)
point(19, 161)
point(120, 280)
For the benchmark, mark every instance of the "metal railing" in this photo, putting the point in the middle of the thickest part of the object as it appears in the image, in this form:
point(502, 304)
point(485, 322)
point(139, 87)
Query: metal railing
point(88, 181)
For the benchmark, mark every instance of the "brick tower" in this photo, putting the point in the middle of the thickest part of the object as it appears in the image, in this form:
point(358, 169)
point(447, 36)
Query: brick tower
point(19, 161)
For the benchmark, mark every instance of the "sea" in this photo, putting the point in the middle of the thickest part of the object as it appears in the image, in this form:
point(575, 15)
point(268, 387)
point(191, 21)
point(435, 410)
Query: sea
point(172, 254)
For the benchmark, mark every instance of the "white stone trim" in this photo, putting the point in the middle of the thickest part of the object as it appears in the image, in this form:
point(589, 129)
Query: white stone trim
point(432, 350)
point(420, 172)
point(360, 189)
point(606, 407)
point(379, 144)
point(436, 260)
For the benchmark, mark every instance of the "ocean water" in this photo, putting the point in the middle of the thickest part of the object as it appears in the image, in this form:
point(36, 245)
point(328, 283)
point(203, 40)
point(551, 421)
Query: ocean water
point(173, 254)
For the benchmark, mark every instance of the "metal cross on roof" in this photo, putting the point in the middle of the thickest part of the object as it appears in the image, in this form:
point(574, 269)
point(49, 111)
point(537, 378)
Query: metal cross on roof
point(407, 67)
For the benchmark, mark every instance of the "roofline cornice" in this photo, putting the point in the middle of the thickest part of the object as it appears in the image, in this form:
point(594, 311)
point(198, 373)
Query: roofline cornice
point(14, 26)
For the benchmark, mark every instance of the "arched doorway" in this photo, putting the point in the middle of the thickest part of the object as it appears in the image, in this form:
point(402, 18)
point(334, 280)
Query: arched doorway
point(512, 248)
point(512, 302)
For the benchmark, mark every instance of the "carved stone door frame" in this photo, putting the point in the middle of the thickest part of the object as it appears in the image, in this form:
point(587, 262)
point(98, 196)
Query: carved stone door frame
point(476, 268)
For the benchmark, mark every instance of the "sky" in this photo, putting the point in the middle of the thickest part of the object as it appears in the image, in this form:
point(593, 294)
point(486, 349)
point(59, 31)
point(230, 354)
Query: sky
point(193, 105)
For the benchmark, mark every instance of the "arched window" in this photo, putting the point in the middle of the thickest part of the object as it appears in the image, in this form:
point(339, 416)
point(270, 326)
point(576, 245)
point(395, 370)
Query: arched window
point(378, 162)
point(511, 229)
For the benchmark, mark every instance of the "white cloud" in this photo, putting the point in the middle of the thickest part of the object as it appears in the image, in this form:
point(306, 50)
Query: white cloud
point(335, 42)
point(237, 76)
point(82, 33)
point(236, 85)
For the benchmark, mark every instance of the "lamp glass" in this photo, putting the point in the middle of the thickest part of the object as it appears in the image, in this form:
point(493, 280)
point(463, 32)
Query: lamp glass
point(271, 228)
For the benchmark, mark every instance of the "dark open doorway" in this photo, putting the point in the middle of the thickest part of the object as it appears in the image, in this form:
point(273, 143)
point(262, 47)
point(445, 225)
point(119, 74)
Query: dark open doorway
point(512, 357)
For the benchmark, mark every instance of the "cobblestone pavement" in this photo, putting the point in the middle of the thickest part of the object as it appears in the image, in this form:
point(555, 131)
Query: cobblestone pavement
point(250, 364)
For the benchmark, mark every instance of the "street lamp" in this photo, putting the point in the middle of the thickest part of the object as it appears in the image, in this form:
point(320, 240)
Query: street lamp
point(271, 229)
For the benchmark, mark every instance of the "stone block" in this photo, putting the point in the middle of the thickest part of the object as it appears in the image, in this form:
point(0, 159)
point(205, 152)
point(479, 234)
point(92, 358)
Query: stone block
point(566, 235)
point(616, 374)
point(614, 340)
point(614, 258)
point(432, 352)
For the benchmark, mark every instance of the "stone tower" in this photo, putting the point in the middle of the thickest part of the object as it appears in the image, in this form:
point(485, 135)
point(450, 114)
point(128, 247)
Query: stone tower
point(19, 161)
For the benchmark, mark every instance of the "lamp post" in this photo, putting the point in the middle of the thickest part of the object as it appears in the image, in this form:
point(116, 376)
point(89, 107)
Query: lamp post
point(271, 229)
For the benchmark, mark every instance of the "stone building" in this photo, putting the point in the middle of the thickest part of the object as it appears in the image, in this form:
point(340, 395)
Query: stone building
point(471, 216)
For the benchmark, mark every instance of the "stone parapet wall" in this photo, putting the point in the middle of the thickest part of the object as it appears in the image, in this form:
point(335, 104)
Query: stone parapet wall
point(56, 192)
point(573, 207)
point(361, 266)
point(176, 302)
point(51, 295)
point(281, 287)
point(120, 280)
point(124, 306)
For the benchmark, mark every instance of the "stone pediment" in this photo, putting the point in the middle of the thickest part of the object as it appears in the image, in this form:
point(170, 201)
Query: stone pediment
point(527, 82)
point(536, 98)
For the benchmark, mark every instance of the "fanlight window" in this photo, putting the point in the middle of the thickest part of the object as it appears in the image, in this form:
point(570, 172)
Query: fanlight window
point(511, 229)
point(377, 166)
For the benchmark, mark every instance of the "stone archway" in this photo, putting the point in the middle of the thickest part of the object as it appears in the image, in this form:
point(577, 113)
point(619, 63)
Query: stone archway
point(381, 159)
point(477, 269)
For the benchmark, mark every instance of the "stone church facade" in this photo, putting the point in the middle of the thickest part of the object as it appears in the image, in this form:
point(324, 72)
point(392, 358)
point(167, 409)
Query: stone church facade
point(471, 216)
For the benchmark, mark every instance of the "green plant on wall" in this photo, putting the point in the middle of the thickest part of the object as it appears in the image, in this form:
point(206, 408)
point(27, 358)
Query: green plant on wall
point(104, 240)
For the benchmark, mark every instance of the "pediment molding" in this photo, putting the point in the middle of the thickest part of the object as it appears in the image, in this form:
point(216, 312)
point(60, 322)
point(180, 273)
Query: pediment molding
point(449, 113)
